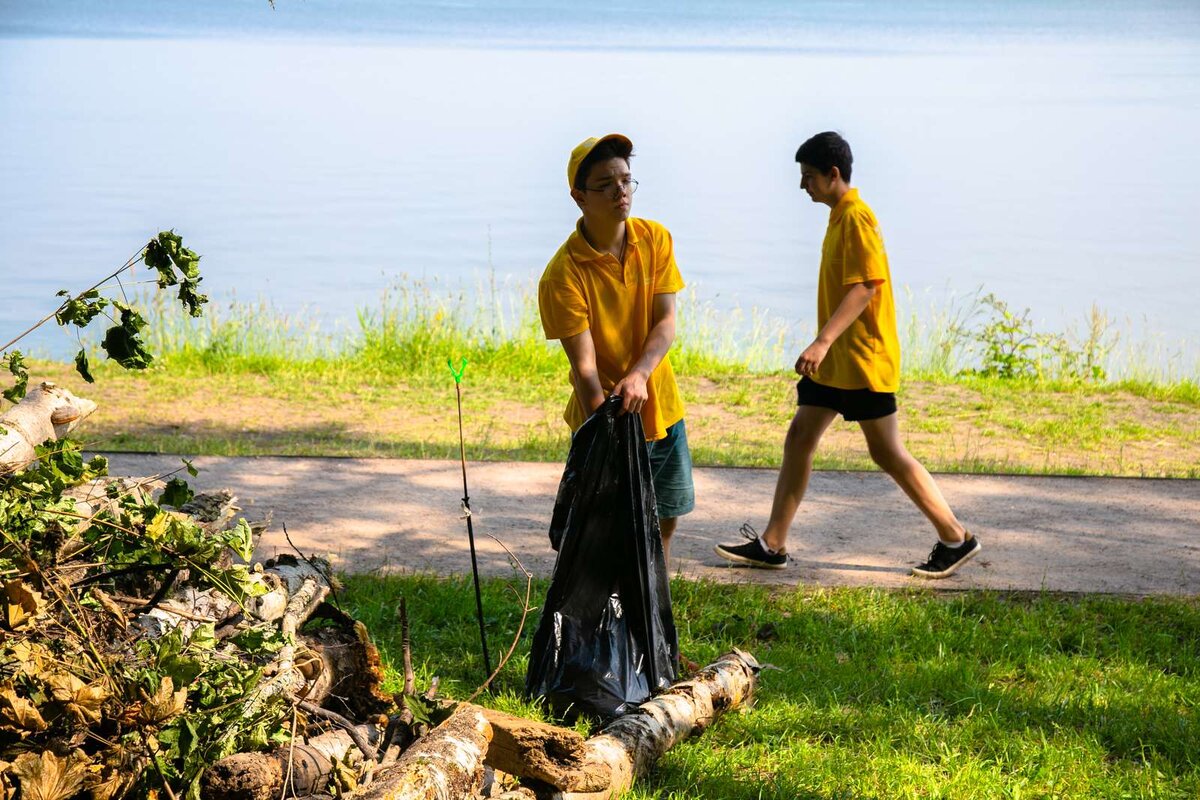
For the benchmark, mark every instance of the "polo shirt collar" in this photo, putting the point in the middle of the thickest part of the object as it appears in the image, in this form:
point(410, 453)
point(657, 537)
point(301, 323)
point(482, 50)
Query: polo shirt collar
point(848, 199)
point(581, 250)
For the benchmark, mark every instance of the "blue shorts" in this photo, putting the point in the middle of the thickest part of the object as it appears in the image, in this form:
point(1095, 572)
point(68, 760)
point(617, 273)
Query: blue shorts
point(671, 472)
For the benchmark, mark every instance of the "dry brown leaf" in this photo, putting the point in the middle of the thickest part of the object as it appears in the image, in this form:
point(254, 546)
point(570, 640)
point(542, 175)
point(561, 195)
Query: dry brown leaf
point(112, 607)
point(164, 704)
point(7, 790)
point(82, 700)
point(48, 777)
point(24, 604)
point(18, 714)
point(31, 656)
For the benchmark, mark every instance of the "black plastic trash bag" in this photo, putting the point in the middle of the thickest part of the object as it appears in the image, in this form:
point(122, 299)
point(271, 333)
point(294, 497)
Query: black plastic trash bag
point(606, 641)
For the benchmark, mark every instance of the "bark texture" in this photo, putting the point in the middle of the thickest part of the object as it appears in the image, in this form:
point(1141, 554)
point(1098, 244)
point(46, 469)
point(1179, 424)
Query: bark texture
point(630, 745)
point(445, 764)
point(47, 412)
point(547, 753)
point(285, 772)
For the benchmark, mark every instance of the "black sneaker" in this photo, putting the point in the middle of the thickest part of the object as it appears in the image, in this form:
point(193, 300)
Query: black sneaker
point(752, 552)
point(944, 561)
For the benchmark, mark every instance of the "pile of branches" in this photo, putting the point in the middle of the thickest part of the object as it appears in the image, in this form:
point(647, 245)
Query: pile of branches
point(138, 648)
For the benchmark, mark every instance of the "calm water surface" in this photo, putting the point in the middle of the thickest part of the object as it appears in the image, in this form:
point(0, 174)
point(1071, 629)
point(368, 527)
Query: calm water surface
point(317, 153)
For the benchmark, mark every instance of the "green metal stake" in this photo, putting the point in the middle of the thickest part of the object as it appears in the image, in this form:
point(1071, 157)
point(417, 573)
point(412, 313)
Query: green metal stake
point(466, 504)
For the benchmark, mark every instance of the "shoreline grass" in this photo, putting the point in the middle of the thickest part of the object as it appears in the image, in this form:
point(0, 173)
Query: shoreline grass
point(246, 380)
point(905, 694)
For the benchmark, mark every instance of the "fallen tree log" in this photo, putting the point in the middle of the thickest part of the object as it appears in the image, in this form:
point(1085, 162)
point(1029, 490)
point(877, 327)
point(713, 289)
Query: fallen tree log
point(547, 753)
point(445, 764)
point(295, 771)
point(629, 746)
point(46, 412)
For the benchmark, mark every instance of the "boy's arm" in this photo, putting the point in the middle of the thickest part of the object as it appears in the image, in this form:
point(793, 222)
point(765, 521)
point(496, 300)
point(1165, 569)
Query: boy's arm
point(853, 304)
point(581, 352)
point(632, 388)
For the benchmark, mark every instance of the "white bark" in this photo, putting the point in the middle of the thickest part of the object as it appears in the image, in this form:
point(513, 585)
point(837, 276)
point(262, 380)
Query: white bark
point(630, 745)
point(445, 764)
point(47, 412)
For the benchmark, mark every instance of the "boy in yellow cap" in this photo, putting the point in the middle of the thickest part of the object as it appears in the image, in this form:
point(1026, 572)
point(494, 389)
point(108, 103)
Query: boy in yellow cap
point(608, 295)
point(852, 368)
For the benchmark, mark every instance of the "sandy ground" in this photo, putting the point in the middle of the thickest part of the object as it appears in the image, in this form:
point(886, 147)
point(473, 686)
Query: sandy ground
point(1109, 535)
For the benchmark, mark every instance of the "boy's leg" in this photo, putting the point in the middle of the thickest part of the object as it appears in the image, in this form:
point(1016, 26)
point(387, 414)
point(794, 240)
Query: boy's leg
point(888, 451)
point(674, 491)
point(799, 446)
point(804, 434)
point(667, 528)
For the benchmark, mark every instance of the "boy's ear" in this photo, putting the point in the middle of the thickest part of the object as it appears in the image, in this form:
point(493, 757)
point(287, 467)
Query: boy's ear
point(835, 174)
point(577, 195)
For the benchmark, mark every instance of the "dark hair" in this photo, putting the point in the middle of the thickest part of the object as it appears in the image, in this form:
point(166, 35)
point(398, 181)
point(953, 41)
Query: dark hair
point(611, 148)
point(826, 151)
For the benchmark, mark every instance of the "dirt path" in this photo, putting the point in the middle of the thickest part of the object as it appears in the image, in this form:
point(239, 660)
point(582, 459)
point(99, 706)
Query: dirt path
point(1113, 535)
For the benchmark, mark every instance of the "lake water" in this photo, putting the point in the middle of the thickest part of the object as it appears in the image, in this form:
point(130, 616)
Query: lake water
point(317, 152)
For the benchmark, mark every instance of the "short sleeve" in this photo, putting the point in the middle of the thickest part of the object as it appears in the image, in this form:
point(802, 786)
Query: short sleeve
point(667, 279)
point(563, 308)
point(865, 259)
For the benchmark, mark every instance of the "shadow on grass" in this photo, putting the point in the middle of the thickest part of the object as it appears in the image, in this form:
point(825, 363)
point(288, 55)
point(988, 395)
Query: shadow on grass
point(875, 688)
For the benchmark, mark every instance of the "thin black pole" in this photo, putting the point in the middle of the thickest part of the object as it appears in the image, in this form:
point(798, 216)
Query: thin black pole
point(462, 454)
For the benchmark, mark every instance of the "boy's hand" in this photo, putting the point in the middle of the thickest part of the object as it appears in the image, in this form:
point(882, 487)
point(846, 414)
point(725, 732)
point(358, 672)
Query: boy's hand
point(811, 358)
point(633, 392)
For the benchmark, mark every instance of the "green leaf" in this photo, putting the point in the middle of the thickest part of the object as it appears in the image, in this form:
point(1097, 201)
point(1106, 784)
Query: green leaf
point(81, 366)
point(81, 309)
point(191, 299)
point(16, 366)
point(155, 257)
point(191, 470)
point(122, 342)
point(176, 493)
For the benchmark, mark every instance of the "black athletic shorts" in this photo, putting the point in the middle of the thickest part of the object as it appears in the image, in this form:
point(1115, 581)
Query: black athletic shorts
point(854, 405)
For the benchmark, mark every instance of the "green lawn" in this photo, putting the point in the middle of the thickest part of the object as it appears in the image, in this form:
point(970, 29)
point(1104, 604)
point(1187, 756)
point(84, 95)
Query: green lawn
point(881, 694)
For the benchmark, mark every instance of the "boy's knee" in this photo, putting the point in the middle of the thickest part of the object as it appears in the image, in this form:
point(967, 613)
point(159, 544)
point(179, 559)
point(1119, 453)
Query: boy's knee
point(889, 459)
point(799, 437)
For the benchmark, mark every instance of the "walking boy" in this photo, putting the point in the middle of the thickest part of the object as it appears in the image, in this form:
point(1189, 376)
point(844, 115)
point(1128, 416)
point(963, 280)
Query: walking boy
point(852, 368)
point(608, 295)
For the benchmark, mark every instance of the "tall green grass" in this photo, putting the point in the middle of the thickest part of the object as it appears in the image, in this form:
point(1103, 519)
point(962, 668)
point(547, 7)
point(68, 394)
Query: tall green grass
point(416, 325)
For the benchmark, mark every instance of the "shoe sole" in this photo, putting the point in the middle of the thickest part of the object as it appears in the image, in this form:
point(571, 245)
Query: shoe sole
point(743, 560)
point(946, 573)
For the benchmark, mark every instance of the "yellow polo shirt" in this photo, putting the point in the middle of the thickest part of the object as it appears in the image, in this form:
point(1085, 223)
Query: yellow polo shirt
point(583, 289)
point(867, 354)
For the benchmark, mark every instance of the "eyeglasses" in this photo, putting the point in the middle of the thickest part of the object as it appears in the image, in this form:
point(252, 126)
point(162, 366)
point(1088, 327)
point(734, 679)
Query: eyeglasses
point(615, 189)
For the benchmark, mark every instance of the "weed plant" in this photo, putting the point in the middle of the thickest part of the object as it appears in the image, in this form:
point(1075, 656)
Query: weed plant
point(417, 324)
point(881, 694)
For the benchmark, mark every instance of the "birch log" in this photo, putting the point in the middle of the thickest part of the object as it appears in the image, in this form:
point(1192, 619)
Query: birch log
point(445, 764)
point(47, 412)
point(284, 772)
point(630, 745)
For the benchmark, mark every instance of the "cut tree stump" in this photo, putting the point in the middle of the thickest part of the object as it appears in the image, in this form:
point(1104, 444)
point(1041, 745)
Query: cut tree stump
point(546, 753)
point(47, 412)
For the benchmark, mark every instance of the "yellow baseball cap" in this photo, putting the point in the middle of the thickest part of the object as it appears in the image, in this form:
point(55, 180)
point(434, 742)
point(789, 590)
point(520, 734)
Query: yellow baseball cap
point(586, 146)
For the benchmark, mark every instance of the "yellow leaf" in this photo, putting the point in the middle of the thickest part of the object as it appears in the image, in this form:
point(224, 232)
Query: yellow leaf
point(18, 714)
point(48, 777)
point(82, 701)
point(23, 603)
point(158, 526)
point(163, 704)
